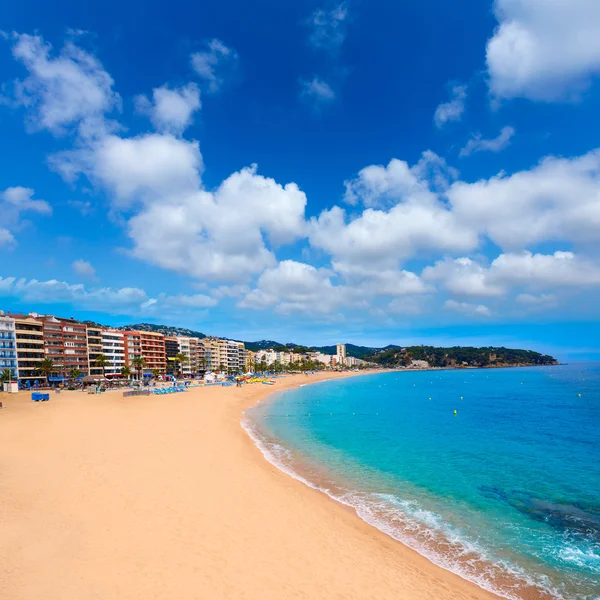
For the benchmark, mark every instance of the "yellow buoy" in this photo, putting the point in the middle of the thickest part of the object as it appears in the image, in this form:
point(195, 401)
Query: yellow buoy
point(454, 412)
point(579, 395)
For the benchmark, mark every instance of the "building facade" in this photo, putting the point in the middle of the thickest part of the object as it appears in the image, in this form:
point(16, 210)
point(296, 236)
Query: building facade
point(8, 348)
point(29, 337)
point(65, 343)
point(113, 348)
point(341, 355)
point(153, 352)
point(132, 341)
point(171, 351)
point(94, 342)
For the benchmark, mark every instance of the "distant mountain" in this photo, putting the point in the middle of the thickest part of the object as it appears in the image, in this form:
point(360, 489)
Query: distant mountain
point(164, 329)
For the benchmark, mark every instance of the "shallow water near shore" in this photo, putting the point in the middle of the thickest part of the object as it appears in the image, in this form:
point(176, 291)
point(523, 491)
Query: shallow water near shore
point(506, 492)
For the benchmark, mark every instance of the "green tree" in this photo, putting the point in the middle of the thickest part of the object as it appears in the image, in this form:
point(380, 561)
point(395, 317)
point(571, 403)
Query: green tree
point(155, 373)
point(181, 359)
point(102, 362)
point(138, 363)
point(74, 373)
point(221, 367)
point(126, 372)
point(46, 367)
point(6, 375)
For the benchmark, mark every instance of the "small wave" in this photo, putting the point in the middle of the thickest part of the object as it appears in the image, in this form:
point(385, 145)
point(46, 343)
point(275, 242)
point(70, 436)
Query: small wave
point(419, 529)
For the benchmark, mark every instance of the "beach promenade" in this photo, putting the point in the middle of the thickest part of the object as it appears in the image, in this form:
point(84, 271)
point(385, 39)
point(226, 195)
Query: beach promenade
point(167, 498)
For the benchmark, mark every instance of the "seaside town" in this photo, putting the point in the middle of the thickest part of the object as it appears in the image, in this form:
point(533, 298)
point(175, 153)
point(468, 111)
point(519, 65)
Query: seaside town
point(38, 350)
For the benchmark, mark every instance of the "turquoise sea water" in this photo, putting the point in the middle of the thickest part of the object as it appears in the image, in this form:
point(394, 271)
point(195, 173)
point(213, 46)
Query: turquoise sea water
point(505, 493)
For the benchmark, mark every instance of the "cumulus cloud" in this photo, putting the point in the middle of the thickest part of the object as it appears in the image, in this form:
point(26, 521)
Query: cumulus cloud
point(328, 28)
point(7, 239)
point(21, 199)
point(294, 288)
point(171, 110)
point(215, 65)
point(557, 200)
point(13, 202)
point(452, 110)
point(411, 218)
point(523, 270)
point(463, 277)
point(316, 92)
point(468, 309)
point(126, 301)
point(84, 268)
point(69, 90)
point(478, 144)
point(543, 50)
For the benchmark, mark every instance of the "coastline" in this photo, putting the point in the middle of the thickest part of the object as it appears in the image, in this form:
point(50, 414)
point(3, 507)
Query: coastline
point(168, 497)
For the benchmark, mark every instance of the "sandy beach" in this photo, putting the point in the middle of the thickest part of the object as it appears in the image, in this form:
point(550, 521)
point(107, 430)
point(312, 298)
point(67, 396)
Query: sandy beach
point(167, 498)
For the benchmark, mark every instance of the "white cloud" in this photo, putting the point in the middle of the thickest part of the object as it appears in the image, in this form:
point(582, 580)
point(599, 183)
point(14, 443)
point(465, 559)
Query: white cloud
point(523, 270)
point(544, 50)
point(295, 288)
point(13, 202)
point(316, 92)
point(66, 91)
point(84, 268)
point(216, 64)
point(171, 110)
point(362, 281)
point(126, 301)
point(453, 109)
point(558, 200)
point(21, 199)
point(463, 277)
point(478, 144)
point(468, 309)
point(328, 28)
point(539, 300)
point(561, 269)
point(379, 187)
point(413, 219)
point(6, 238)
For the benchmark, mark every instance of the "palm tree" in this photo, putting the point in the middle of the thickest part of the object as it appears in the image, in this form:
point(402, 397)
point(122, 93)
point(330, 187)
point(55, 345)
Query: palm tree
point(74, 373)
point(6, 375)
point(221, 367)
point(126, 372)
point(138, 363)
point(155, 373)
point(181, 359)
point(46, 367)
point(102, 362)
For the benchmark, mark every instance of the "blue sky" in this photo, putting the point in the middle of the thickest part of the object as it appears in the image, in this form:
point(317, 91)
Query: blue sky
point(376, 172)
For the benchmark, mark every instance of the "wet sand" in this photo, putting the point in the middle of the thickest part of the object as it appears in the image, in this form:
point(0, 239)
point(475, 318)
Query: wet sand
point(166, 497)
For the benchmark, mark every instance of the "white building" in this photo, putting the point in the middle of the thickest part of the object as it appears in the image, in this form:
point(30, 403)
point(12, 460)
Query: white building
point(8, 348)
point(113, 347)
point(341, 354)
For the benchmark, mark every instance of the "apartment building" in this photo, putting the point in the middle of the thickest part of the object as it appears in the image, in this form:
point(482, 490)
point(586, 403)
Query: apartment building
point(29, 339)
point(65, 343)
point(171, 351)
point(341, 354)
point(113, 348)
point(153, 351)
point(8, 349)
point(250, 363)
point(94, 342)
point(133, 348)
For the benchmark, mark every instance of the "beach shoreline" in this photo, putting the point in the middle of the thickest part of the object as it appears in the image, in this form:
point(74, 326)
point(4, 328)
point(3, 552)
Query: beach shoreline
point(168, 497)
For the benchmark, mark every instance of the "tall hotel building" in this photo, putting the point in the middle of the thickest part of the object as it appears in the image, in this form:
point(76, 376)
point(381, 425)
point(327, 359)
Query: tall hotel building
point(29, 338)
point(65, 342)
point(8, 349)
point(113, 348)
point(153, 351)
